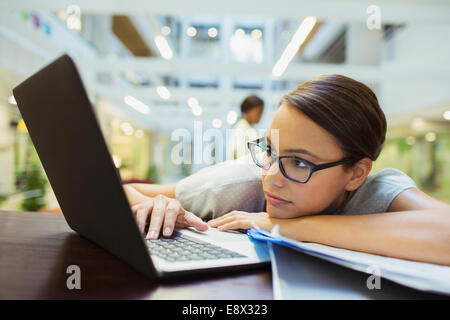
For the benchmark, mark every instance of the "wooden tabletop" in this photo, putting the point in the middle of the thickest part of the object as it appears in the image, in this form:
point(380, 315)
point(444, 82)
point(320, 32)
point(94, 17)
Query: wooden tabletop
point(36, 248)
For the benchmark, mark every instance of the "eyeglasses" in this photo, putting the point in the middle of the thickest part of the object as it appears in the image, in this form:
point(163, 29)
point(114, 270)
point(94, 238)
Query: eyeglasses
point(292, 168)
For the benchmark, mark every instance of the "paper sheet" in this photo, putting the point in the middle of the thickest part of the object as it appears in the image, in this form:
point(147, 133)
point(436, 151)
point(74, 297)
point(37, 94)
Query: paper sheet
point(419, 275)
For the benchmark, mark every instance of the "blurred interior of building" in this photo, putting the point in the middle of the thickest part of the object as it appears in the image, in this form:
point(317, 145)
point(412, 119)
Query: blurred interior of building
point(157, 72)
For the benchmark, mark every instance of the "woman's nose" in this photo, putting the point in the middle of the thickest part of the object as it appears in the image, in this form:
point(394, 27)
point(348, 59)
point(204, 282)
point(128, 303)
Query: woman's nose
point(274, 176)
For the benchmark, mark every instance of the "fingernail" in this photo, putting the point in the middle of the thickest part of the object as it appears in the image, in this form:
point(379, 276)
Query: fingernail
point(152, 234)
point(167, 231)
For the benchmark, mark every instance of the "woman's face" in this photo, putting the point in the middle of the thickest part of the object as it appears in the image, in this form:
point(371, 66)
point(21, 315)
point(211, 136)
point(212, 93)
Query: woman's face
point(325, 190)
point(254, 114)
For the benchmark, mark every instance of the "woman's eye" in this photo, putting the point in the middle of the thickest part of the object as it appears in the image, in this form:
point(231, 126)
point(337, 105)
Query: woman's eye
point(300, 163)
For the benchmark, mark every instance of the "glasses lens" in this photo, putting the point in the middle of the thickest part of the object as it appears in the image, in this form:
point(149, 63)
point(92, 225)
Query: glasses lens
point(296, 169)
point(260, 155)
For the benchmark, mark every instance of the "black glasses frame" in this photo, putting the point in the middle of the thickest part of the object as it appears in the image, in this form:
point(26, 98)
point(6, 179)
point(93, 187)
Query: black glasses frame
point(314, 167)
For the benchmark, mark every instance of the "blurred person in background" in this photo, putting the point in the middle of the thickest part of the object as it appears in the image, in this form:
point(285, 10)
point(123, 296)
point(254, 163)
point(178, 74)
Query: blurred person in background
point(243, 132)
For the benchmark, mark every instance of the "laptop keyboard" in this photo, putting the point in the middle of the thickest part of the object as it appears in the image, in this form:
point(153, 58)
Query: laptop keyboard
point(182, 248)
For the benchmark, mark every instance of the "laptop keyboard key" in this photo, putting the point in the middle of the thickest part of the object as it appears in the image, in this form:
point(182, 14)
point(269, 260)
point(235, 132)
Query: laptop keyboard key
point(180, 248)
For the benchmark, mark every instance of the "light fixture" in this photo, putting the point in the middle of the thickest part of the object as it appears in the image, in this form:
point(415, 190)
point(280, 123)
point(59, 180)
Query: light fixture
point(291, 49)
point(73, 21)
point(117, 161)
point(139, 133)
point(239, 32)
point(430, 136)
point(12, 100)
point(192, 102)
point(212, 32)
point(232, 117)
point(195, 106)
point(163, 47)
point(418, 124)
point(197, 111)
point(136, 104)
point(163, 92)
point(256, 34)
point(446, 115)
point(217, 123)
point(21, 127)
point(191, 32)
point(410, 140)
point(127, 128)
point(165, 31)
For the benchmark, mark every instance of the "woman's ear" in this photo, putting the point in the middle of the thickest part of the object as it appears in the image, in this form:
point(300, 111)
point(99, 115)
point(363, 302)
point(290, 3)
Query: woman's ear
point(359, 173)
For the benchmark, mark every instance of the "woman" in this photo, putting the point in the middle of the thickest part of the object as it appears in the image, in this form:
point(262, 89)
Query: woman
point(252, 109)
point(310, 177)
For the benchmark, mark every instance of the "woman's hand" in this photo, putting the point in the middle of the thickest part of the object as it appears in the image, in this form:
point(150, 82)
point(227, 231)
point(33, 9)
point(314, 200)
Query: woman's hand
point(241, 220)
point(166, 212)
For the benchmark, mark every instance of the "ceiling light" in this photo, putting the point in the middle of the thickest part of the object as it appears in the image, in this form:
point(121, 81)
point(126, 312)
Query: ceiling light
point(212, 32)
point(163, 47)
point(191, 31)
point(193, 102)
point(139, 133)
point(239, 32)
point(232, 117)
point(165, 31)
point(256, 34)
point(197, 110)
point(127, 128)
point(12, 100)
point(217, 123)
point(446, 115)
point(117, 161)
point(163, 92)
point(430, 136)
point(418, 124)
point(136, 104)
point(410, 140)
point(291, 49)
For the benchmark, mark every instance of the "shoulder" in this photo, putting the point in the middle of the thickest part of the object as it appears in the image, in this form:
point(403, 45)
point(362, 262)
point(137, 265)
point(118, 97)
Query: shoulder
point(215, 190)
point(389, 176)
point(378, 191)
point(241, 124)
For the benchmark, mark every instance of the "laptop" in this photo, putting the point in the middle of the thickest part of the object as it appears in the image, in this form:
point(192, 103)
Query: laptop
point(66, 134)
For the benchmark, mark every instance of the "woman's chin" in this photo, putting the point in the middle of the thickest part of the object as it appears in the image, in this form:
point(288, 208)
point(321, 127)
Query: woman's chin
point(279, 213)
point(276, 213)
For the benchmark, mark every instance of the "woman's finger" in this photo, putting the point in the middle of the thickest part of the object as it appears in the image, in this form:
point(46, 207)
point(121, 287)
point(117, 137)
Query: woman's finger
point(173, 208)
point(223, 220)
point(237, 224)
point(226, 218)
point(157, 217)
point(193, 221)
point(142, 211)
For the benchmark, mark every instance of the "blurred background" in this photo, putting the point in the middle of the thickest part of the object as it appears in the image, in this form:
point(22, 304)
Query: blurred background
point(159, 71)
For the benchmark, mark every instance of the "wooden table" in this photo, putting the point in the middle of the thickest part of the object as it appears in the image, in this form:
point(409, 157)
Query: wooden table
point(36, 248)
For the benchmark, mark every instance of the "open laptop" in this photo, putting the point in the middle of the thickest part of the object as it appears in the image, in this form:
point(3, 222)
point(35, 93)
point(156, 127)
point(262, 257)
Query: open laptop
point(67, 137)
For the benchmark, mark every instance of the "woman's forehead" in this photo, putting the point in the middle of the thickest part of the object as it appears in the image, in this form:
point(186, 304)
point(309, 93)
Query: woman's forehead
point(291, 129)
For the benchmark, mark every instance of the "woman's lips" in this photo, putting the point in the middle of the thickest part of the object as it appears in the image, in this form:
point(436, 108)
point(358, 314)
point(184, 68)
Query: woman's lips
point(274, 200)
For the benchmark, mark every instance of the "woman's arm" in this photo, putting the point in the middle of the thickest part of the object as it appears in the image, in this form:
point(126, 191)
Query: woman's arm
point(420, 235)
point(418, 229)
point(140, 192)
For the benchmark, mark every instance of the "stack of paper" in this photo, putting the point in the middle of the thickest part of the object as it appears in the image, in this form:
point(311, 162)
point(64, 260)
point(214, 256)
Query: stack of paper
point(419, 275)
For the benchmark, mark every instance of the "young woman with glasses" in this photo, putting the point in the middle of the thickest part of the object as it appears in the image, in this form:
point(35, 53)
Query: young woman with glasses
point(310, 176)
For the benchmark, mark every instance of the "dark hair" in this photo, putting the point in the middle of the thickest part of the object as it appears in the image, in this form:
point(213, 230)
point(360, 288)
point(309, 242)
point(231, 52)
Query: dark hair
point(347, 109)
point(251, 102)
